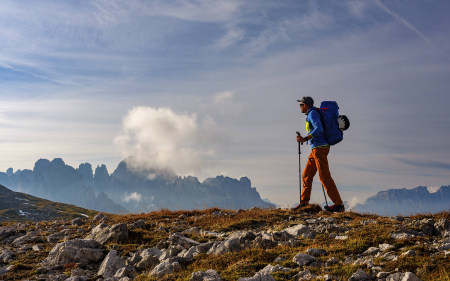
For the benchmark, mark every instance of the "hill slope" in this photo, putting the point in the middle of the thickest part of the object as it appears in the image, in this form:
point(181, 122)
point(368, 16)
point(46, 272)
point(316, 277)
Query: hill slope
point(227, 245)
point(16, 206)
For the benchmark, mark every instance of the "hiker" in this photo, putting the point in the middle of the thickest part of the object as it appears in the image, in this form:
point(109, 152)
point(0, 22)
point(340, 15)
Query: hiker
point(317, 160)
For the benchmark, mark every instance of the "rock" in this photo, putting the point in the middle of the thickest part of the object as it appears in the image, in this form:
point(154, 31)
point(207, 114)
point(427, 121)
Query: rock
point(305, 275)
point(98, 217)
point(104, 233)
point(410, 253)
point(6, 232)
point(371, 251)
point(75, 278)
point(341, 237)
point(427, 227)
point(110, 264)
point(140, 224)
point(360, 275)
point(385, 247)
point(329, 277)
point(408, 276)
point(179, 239)
point(37, 248)
point(330, 228)
point(166, 267)
point(30, 237)
point(303, 259)
point(441, 226)
point(258, 278)
point(58, 236)
point(383, 275)
point(148, 258)
point(331, 261)
point(77, 222)
point(209, 275)
point(235, 242)
point(6, 256)
point(82, 251)
point(269, 269)
point(296, 230)
point(316, 252)
point(127, 271)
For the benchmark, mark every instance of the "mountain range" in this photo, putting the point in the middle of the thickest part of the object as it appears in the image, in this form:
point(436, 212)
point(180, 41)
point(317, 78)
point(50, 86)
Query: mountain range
point(404, 201)
point(130, 190)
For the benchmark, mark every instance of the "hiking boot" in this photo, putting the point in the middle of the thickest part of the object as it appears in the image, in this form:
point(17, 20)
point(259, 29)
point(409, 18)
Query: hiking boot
point(335, 208)
point(299, 206)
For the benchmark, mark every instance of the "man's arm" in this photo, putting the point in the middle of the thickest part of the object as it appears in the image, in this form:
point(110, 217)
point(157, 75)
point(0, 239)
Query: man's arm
point(314, 117)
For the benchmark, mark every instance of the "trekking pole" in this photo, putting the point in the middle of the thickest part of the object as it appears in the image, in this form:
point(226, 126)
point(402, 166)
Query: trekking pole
point(299, 169)
point(326, 201)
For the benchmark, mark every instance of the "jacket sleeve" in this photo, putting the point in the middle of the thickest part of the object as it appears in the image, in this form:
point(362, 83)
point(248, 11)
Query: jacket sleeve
point(314, 118)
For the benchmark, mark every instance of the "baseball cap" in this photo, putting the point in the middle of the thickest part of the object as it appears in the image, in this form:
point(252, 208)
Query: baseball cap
point(307, 100)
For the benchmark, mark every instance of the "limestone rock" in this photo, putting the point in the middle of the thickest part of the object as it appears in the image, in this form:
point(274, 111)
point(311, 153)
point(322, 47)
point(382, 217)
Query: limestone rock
point(408, 276)
point(83, 251)
point(298, 229)
point(303, 259)
point(110, 264)
point(104, 233)
point(360, 275)
point(209, 275)
point(166, 267)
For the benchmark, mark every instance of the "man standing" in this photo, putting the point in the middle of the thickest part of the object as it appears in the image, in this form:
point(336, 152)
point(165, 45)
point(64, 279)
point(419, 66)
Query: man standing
point(317, 160)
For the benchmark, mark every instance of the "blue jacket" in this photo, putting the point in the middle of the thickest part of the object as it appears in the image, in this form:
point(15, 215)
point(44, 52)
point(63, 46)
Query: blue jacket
point(314, 128)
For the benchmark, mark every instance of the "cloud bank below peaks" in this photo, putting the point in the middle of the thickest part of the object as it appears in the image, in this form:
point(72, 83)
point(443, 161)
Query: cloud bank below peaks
point(159, 139)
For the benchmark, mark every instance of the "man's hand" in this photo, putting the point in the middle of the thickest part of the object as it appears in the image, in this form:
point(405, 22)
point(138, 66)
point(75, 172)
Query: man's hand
point(301, 139)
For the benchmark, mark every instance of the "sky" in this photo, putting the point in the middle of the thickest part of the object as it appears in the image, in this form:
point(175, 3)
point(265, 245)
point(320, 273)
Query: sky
point(209, 88)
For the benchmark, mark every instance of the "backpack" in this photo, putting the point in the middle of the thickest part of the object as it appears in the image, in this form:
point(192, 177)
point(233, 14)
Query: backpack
point(333, 124)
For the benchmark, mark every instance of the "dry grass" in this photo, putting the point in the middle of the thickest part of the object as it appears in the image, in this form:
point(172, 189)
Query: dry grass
point(232, 266)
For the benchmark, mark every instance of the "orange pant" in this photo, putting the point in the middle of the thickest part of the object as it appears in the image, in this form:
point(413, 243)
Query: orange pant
point(317, 160)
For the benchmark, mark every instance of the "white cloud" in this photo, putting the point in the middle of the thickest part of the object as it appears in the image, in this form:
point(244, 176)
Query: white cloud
point(223, 97)
point(159, 138)
point(134, 196)
point(198, 10)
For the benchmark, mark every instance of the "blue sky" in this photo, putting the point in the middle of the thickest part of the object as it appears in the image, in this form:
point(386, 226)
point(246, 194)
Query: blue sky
point(95, 81)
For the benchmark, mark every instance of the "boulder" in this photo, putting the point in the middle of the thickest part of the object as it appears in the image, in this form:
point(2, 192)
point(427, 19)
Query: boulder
point(408, 276)
point(82, 251)
point(126, 272)
point(6, 232)
point(148, 258)
point(104, 233)
point(305, 275)
point(235, 242)
point(316, 252)
point(77, 222)
point(30, 237)
point(110, 265)
point(360, 275)
point(58, 236)
point(303, 259)
point(166, 267)
point(209, 275)
point(296, 230)
point(6, 256)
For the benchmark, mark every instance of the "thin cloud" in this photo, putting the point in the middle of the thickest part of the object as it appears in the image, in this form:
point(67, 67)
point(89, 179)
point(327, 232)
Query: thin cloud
point(410, 26)
point(428, 164)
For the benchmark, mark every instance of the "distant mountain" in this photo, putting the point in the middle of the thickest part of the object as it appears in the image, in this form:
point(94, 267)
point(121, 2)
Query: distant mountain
point(407, 201)
point(16, 206)
point(129, 190)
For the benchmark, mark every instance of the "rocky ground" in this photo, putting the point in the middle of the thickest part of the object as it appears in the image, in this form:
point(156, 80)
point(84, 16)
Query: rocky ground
point(245, 245)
